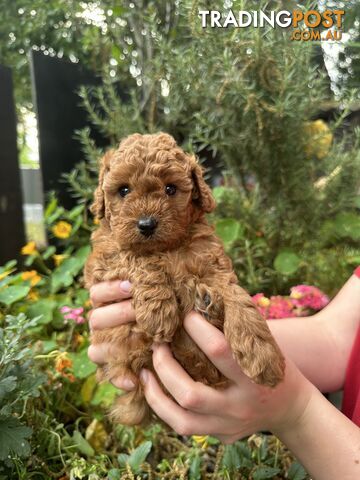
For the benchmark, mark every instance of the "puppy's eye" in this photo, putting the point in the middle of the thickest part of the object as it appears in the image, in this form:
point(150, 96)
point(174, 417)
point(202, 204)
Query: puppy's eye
point(170, 189)
point(124, 190)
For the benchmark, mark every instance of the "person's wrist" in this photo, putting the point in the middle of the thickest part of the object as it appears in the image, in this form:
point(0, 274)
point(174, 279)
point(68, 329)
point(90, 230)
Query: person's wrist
point(295, 409)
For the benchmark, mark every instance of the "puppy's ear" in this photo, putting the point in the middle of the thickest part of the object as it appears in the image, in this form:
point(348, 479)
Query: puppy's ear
point(202, 195)
point(98, 207)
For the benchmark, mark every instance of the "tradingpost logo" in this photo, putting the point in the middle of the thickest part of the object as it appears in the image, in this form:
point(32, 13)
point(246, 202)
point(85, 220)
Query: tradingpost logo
point(305, 24)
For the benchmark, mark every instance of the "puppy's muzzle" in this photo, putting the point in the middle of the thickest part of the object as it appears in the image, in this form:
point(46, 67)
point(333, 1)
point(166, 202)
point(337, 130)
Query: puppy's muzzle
point(147, 225)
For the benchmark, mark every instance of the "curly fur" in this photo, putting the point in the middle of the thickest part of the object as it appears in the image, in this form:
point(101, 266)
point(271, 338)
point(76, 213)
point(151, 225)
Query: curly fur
point(181, 267)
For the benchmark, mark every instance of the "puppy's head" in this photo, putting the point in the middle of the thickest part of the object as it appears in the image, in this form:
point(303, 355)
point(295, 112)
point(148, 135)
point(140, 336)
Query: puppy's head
point(150, 192)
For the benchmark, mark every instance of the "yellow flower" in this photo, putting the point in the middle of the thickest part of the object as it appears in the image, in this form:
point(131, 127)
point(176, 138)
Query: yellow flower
point(62, 229)
point(319, 139)
point(29, 249)
point(31, 275)
point(296, 295)
point(264, 302)
point(58, 259)
point(96, 221)
point(201, 440)
point(96, 435)
point(33, 295)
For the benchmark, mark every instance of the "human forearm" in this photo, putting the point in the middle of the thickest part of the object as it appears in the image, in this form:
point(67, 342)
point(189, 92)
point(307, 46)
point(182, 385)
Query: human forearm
point(325, 441)
point(312, 348)
point(320, 345)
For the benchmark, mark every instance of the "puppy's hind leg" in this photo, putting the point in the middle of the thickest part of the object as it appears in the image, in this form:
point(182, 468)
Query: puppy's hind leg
point(131, 408)
point(250, 339)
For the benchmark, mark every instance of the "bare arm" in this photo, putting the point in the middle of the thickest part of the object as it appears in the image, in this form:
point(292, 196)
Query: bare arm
point(320, 345)
point(325, 441)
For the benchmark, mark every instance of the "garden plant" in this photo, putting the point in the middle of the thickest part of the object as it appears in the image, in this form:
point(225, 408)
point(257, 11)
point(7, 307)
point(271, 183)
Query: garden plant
point(251, 106)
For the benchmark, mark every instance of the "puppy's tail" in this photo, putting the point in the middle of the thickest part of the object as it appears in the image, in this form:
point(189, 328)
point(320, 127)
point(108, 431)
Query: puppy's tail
point(131, 408)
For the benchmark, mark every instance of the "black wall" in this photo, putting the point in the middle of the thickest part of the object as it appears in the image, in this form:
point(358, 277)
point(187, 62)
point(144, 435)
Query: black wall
point(12, 236)
point(57, 103)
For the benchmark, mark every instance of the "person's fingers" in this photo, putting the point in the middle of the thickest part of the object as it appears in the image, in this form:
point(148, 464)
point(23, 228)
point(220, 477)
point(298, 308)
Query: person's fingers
point(189, 394)
point(106, 292)
point(100, 353)
point(182, 421)
point(124, 383)
point(214, 344)
point(111, 315)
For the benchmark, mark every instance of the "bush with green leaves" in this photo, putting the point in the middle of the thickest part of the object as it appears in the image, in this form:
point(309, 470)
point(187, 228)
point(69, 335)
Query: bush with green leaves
point(249, 101)
point(19, 384)
point(53, 413)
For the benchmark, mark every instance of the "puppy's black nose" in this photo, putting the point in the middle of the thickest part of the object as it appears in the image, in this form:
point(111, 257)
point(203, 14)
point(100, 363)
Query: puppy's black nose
point(147, 225)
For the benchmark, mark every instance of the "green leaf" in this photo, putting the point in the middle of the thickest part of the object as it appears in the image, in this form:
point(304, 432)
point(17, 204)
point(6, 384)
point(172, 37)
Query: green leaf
point(63, 276)
point(48, 346)
point(348, 225)
point(75, 212)
point(195, 471)
point(138, 456)
point(296, 472)
point(8, 266)
point(219, 192)
point(10, 295)
point(231, 459)
point(229, 230)
point(13, 437)
point(48, 252)
point(50, 207)
point(114, 474)
point(82, 366)
point(105, 395)
point(263, 472)
point(287, 263)
point(82, 444)
point(7, 384)
point(44, 308)
point(123, 459)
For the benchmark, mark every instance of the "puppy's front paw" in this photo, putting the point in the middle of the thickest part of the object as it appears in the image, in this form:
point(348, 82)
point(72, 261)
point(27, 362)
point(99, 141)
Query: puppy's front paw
point(260, 360)
point(208, 302)
point(159, 319)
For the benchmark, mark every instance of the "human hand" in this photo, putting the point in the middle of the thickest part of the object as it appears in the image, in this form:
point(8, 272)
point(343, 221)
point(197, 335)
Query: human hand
point(111, 308)
point(237, 411)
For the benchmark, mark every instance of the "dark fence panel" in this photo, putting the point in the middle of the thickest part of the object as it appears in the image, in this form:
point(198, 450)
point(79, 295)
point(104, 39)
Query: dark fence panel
point(55, 86)
point(12, 235)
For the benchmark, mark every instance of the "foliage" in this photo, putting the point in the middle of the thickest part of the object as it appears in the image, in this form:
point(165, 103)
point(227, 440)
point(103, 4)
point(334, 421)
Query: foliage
point(18, 384)
point(288, 204)
point(53, 412)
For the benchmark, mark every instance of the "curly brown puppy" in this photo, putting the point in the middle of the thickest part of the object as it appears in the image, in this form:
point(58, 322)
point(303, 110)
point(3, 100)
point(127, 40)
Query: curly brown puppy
point(152, 200)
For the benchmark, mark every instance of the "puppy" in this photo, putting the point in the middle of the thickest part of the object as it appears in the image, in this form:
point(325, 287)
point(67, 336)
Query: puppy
point(151, 201)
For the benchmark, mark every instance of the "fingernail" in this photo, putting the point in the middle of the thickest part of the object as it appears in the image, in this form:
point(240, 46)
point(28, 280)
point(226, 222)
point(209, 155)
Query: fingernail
point(125, 286)
point(144, 375)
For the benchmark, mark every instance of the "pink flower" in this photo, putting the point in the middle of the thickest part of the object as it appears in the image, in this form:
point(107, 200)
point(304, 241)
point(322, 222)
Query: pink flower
point(262, 303)
point(306, 296)
point(65, 309)
point(280, 307)
point(73, 314)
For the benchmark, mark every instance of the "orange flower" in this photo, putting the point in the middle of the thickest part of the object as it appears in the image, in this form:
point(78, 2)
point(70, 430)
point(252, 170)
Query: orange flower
point(29, 249)
point(63, 362)
point(31, 275)
point(62, 229)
